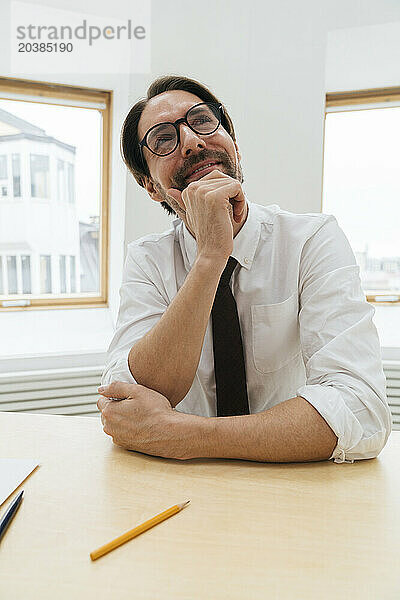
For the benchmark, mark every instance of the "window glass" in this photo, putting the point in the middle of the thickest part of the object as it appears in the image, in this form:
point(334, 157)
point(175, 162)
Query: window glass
point(72, 273)
point(40, 176)
point(16, 171)
point(60, 180)
point(45, 274)
point(53, 162)
point(3, 166)
point(12, 274)
point(2, 290)
point(63, 275)
point(362, 188)
point(26, 274)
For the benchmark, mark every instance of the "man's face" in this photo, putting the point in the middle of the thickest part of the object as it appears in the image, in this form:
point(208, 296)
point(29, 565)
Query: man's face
point(174, 170)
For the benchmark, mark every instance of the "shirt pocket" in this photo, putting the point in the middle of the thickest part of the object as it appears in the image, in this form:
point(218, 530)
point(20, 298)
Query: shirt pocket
point(275, 331)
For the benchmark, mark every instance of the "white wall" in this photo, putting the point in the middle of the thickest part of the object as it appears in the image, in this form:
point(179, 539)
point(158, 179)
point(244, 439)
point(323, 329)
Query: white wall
point(270, 63)
point(363, 57)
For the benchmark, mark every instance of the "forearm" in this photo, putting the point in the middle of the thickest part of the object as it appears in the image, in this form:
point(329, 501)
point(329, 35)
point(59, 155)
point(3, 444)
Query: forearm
point(166, 358)
point(292, 431)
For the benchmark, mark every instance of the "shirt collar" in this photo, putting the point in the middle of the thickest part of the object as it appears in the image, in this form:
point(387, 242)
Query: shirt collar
point(244, 243)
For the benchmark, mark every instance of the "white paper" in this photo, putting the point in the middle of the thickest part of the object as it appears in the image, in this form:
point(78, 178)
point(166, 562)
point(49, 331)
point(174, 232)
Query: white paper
point(13, 471)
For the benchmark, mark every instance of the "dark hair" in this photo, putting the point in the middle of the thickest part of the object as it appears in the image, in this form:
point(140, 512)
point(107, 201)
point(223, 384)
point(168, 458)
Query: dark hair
point(129, 134)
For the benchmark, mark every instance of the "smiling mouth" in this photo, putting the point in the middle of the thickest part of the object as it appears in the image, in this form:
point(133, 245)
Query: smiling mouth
point(202, 170)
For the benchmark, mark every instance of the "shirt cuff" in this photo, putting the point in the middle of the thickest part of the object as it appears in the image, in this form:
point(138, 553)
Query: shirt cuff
point(119, 372)
point(331, 406)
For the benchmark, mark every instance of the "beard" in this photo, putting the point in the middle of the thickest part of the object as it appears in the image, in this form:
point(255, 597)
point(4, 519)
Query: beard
point(227, 166)
point(179, 180)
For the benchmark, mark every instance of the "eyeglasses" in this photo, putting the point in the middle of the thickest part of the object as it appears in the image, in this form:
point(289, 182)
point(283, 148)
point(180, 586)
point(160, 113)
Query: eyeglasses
point(162, 139)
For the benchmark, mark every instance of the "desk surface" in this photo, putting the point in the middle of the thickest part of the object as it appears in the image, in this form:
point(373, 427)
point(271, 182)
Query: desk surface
point(252, 530)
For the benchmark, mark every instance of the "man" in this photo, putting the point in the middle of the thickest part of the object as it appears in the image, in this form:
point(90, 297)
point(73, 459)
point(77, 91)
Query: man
point(243, 331)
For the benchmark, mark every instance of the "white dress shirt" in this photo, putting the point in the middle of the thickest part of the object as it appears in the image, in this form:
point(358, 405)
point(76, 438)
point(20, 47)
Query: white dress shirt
point(306, 326)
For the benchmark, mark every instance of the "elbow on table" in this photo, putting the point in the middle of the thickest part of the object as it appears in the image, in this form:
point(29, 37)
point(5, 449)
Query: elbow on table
point(370, 445)
point(376, 443)
point(361, 419)
point(383, 436)
point(384, 426)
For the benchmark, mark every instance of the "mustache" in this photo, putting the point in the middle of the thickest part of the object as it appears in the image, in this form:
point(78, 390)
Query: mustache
point(179, 178)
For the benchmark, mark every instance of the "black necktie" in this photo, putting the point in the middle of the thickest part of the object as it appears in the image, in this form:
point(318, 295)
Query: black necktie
point(230, 372)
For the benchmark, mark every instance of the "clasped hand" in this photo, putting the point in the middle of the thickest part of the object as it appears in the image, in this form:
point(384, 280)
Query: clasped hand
point(141, 419)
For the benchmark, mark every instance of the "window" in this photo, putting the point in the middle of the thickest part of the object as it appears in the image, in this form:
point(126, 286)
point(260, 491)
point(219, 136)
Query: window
point(16, 171)
point(361, 185)
point(60, 181)
point(72, 273)
point(63, 274)
point(61, 146)
point(3, 166)
point(3, 176)
point(26, 274)
point(40, 176)
point(65, 182)
point(15, 274)
point(1, 276)
point(45, 274)
point(12, 274)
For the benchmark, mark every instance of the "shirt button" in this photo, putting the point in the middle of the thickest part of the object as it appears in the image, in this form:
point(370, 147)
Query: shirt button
point(246, 260)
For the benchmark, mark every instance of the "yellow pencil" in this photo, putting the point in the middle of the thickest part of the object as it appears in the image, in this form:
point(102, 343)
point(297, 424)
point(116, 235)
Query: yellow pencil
point(125, 537)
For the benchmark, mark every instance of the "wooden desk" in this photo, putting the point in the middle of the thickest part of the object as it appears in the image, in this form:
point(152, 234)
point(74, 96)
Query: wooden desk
point(252, 530)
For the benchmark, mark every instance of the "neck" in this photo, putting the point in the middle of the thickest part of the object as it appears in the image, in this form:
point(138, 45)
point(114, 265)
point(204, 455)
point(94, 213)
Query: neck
point(238, 226)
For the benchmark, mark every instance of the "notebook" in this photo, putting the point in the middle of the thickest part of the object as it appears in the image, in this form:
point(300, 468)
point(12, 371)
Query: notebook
point(13, 471)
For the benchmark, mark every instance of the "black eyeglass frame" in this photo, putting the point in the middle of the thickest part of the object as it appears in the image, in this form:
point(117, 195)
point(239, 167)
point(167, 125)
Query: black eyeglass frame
point(177, 123)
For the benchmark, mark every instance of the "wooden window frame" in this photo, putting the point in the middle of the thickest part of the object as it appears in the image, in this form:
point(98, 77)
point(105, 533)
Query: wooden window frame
point(364, 100)
point(76, 94)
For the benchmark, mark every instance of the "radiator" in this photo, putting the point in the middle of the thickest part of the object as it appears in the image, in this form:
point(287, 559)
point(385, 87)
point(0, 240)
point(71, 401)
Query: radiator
point(392, 373)
point(73, 391)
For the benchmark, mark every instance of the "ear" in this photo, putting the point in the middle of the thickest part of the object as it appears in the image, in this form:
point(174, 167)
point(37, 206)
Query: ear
point(237, 151)
point(151, 190)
